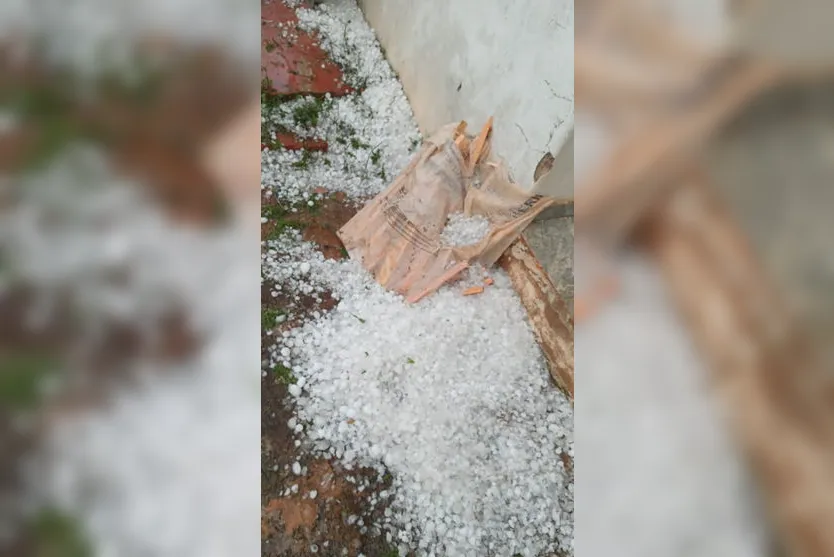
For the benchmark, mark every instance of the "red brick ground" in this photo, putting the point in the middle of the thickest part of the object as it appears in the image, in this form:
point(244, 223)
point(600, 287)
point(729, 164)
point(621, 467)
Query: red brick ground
point(295, 64)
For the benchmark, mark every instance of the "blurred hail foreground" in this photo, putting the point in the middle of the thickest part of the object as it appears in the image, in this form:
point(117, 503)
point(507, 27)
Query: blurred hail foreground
point(128, 282)
point(704, 127)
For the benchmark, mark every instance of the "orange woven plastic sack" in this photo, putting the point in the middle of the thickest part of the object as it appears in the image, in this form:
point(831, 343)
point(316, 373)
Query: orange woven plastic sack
point(397, 236)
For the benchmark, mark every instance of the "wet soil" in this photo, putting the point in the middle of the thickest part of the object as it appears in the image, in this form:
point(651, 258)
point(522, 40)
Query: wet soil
point(296, 525)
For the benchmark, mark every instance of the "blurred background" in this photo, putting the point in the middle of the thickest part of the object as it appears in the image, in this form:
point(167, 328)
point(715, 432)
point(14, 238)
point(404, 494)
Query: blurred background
point(128, 335)
point(704, 277)
point(129, 361)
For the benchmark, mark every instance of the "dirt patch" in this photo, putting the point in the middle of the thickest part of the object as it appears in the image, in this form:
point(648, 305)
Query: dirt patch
point(322, 509)
point(291, 525)
point(294, 512)
point(327, 241)
point(287, 311)
point(319, 223)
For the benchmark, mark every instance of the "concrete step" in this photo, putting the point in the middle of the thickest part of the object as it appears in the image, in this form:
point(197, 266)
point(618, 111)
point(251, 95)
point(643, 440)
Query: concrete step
point(552, 243)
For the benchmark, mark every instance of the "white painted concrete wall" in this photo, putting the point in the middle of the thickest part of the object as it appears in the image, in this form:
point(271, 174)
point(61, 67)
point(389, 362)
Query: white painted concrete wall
point(469, 59)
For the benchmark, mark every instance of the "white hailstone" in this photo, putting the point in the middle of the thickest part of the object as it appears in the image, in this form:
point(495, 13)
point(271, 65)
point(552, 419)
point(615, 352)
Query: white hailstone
point(448, 396)
point(403, 413)
point(296, 468)
point(461, 230)
point(313, 494)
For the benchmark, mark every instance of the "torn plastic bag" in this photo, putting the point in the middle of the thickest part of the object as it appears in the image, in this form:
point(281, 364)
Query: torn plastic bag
point(397, 236)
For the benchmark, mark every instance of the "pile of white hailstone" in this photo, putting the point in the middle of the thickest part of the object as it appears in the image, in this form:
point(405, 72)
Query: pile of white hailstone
point(462, 230)
point(450, 396)
point(169, 467)
point(371, 134)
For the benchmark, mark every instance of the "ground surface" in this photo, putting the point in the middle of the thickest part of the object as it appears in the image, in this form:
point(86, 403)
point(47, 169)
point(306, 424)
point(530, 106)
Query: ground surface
point(314, 505)
point(294, 524)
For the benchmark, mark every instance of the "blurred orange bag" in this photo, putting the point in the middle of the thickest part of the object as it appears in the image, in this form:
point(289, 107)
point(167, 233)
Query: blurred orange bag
point(397, 236)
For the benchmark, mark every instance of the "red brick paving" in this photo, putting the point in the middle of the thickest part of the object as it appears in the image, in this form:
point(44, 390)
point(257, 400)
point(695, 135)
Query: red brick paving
point(295, 64)
point(293, 143)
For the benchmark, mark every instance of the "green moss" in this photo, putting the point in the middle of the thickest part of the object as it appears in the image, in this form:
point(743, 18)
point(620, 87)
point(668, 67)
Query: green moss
point(284, 375)
point(344, 130)
point(51, 107)
point(356, 143)
point(282, 217)
point(278, 216)
point(47, 108)
point(307, 113)
point(305, 160)
point(21, 377)
point(269, 318)
point(270, 101)
point(273, 211)
point(55, 134)
point(376, 156)
point(59, 535)
point(268, 95)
